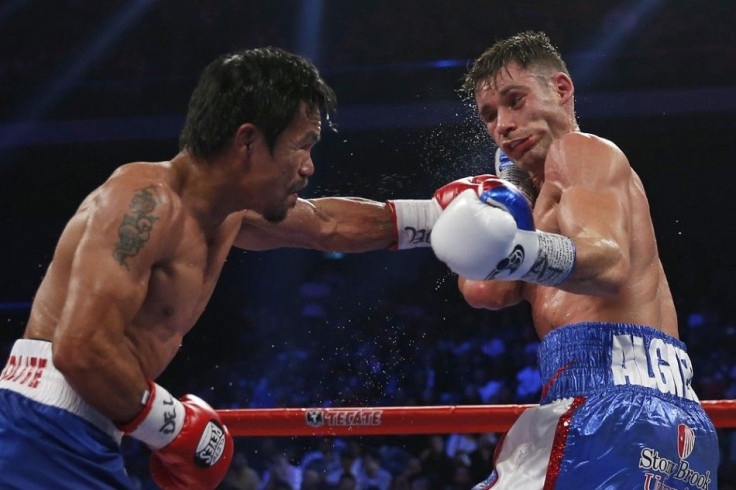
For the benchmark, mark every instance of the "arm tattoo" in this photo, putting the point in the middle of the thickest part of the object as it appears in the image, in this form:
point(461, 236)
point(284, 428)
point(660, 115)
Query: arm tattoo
point(135, 230)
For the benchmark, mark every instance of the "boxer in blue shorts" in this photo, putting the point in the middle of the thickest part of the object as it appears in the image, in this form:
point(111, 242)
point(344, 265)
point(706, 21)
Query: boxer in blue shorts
point(568, 230)
point(617, 411)
point(136, 265)
point(48, 431)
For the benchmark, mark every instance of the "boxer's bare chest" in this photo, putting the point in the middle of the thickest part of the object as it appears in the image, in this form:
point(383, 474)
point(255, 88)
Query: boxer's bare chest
point(180, 287)
point(546, 207)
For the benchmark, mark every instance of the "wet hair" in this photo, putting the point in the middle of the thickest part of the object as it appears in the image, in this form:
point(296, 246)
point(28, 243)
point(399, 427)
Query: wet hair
point(263, 86)
point(527, 49)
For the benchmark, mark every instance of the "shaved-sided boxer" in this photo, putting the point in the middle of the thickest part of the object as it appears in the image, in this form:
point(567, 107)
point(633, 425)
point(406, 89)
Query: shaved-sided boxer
point(618, 409)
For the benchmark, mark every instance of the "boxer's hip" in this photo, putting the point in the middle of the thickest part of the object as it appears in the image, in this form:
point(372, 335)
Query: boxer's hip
point(30, 372)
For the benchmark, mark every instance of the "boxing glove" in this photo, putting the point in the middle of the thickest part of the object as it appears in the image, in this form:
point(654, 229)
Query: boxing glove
point(413, 218)
point(510, 172)
point(492, 236)
point(445, 194)
point(191, 448)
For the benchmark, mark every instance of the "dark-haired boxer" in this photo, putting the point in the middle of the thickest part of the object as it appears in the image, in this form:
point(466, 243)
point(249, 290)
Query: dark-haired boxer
point(137, 263)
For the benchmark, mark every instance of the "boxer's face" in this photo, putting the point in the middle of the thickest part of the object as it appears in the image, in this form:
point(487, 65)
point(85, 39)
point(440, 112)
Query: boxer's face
point(288, 167)
point(524, 111)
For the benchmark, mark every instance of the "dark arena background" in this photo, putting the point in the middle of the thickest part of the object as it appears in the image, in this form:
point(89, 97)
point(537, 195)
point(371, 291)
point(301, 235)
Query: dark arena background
point(88, 85)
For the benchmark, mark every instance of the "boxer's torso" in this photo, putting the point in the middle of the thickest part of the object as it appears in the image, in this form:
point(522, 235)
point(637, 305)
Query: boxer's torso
point(180, 283)
point(645, 297)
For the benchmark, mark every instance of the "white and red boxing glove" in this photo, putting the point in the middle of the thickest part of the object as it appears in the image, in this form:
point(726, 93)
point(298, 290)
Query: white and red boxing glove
point(413, 218)
point(491, 235)
point(445, 194)
point(191, 448)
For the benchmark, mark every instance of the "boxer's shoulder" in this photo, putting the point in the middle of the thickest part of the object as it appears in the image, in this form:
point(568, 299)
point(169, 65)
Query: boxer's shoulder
point(577, 147)
point(584, 158)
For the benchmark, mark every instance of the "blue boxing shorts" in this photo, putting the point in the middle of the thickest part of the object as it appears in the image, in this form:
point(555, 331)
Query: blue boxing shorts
point(49, 436)
point(617, 412)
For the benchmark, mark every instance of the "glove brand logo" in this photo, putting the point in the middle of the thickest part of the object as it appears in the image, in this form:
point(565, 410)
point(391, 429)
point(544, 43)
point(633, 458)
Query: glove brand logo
point(169, 424)
point(211, 445)
point(651, 460)
point(510, 263)
point(417, 236)
point(315, 418)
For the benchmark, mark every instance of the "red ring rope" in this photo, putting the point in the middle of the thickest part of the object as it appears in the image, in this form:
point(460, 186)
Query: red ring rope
point(358, 421)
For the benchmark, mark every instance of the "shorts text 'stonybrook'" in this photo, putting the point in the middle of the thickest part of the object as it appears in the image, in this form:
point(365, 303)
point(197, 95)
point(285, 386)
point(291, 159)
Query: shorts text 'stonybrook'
point(665, 470)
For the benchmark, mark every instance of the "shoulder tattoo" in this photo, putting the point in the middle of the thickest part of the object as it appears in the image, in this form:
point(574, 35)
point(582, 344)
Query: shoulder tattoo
point(135, 230)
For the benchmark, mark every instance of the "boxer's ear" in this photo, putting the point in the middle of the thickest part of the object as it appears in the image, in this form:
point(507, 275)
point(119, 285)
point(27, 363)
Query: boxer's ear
point(245, 137)
point(563, 85)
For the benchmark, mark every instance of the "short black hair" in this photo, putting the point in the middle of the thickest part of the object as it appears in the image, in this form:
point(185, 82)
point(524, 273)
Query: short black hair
point(263, 86)
point(528, 48)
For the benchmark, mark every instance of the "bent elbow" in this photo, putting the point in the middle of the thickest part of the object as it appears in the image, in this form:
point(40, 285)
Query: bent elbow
point(489, 295)
point(482, 302)
point(73, 362)
point(66, 360)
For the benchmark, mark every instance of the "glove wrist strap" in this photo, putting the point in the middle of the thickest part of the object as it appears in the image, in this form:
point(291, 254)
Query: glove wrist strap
point(554, 262)
point(160, 421)
point(413, 221)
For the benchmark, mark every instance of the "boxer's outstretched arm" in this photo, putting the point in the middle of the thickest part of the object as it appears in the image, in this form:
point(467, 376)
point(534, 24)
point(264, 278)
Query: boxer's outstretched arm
point(343, 224)
point(354, 224)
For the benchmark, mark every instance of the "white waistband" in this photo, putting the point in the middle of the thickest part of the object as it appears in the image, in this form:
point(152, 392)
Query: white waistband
point(30, 371)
